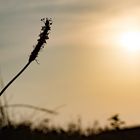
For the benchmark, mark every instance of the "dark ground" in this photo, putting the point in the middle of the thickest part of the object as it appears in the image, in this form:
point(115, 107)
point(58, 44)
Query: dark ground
point(25, 131)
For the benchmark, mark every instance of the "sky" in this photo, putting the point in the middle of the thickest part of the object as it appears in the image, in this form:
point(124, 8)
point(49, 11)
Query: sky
point(91, 63)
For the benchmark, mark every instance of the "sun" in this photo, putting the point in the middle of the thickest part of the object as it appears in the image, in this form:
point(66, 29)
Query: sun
point(130, 40)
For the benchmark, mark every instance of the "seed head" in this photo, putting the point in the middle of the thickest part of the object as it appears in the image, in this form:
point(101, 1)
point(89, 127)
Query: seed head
point(43, 36)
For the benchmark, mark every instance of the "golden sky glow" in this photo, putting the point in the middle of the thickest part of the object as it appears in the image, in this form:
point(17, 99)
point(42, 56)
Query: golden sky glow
point(91, 62)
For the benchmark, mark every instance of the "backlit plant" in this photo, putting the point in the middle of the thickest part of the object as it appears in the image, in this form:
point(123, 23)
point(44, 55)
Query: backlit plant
point(43, 36)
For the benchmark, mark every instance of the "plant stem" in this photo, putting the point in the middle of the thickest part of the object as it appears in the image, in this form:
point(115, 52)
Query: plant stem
point(15, 78)
point(53, 112)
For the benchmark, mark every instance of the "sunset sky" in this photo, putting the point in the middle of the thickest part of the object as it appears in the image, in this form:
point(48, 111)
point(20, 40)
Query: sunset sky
point(91, 63)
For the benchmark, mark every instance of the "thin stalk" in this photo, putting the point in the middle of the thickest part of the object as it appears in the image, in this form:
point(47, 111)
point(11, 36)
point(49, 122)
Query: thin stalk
point(14, 78)
point(53, 112)
point(43, 36)
point(4, 111)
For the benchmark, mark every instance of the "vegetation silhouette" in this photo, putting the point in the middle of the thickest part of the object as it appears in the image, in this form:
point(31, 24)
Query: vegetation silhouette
point(74, 131)
point(43, 36)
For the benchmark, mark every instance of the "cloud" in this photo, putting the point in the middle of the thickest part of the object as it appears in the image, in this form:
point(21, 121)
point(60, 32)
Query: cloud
point(64, 6)
point(19, 18)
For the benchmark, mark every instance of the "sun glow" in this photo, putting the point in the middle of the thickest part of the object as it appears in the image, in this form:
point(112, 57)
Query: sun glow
point(130, 40)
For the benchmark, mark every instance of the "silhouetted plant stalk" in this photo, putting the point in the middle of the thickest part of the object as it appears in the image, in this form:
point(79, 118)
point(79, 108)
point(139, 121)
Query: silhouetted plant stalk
point(3, 111)
point(43, 36)
point(53, 112)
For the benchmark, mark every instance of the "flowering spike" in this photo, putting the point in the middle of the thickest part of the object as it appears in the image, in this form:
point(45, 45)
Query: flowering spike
point(43, 36)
